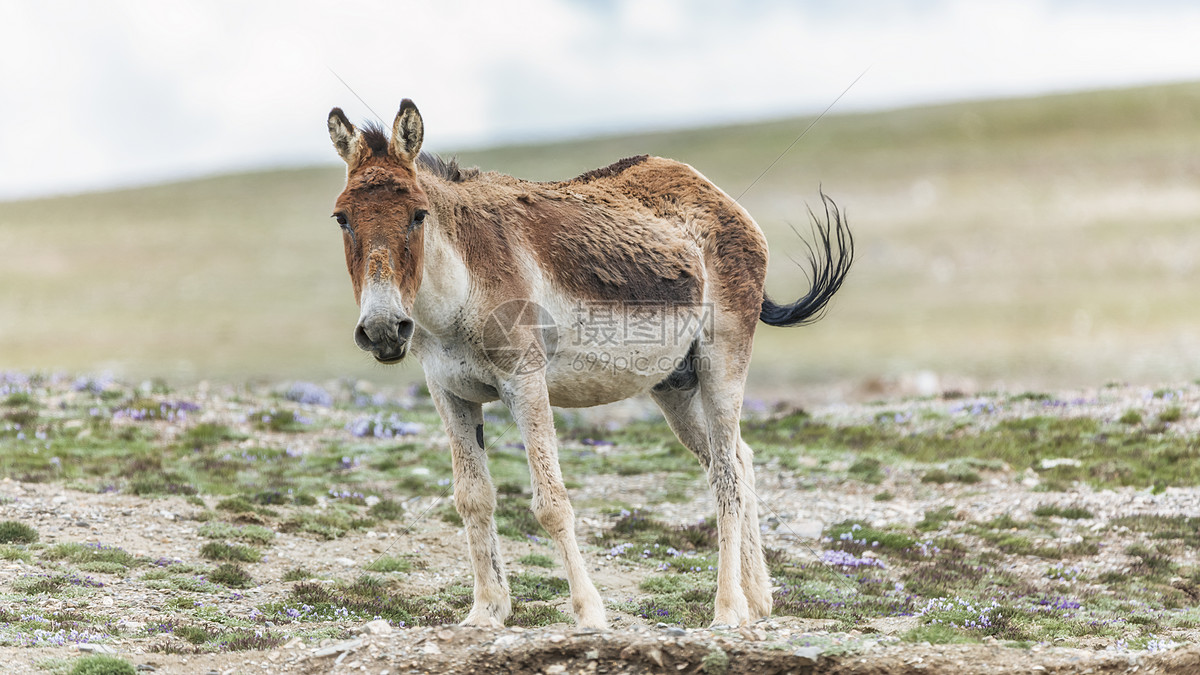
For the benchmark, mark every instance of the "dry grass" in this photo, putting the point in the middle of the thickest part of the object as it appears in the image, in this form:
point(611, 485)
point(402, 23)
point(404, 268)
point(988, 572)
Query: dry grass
point(1044, 242)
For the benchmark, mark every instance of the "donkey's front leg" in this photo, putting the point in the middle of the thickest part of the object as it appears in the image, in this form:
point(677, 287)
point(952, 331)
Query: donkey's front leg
point(529, 402)
point(475, 500)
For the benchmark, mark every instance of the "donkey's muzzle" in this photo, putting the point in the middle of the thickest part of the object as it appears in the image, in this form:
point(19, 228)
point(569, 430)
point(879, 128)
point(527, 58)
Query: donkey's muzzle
point(385, 336)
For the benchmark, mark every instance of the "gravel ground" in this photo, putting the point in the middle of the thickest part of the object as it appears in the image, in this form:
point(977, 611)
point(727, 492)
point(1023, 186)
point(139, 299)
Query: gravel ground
point(797, 507)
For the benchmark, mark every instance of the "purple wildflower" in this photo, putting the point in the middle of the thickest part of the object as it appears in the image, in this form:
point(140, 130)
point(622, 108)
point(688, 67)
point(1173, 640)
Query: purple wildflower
point(96, 385)
point(378, 426)
point(309, 394)
point(847, 559)
point(618, 550)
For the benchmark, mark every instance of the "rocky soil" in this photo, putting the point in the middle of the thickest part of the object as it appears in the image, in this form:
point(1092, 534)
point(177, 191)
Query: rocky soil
point(798, 507)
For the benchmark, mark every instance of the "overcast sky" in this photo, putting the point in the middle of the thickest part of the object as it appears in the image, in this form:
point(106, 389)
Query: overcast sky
point(102, 94)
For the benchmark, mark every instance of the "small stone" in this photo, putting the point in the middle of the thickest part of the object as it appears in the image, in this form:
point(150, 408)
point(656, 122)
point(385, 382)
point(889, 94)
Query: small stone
point(557, 637)
point(445, 635)
point(555, 669)
point(167, 515)
point(592, 654)
point(106, 601)
point(808, 655)
point(378, 627)
point(430, 648)
point(294, 643)
point(96, 649)
point(748, 634)
point(348, 562)
point(505, 641)
point(338, 648)
point(1055, 462)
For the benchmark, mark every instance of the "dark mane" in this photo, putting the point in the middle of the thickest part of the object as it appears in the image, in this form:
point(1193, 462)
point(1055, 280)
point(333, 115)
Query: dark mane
point(610, 170)
point(376, 138)
point(447, 170)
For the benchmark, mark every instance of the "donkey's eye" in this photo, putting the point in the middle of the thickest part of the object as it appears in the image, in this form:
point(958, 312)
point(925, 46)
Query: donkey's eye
point(418, 217)
point(341, 219)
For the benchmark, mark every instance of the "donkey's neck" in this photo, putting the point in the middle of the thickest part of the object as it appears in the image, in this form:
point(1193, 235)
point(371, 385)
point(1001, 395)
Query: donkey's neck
point(445, 284)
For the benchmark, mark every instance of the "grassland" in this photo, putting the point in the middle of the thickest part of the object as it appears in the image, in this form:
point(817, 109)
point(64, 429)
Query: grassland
point(1045, 242)
point(182, 521)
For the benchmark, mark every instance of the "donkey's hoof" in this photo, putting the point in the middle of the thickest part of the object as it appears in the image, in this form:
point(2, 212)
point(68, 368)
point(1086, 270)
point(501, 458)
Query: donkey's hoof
point(761, 609)
point(482, 620)
point(598, 621)
point(730, 618)
point(591, 618)
point(731, 609)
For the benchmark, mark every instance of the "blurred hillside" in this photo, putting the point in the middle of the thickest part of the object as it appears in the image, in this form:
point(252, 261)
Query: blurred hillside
point(1017, 243)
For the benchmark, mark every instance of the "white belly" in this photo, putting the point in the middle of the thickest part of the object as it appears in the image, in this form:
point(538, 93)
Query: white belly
point(578, 378)
point(595, 355)
point(605, 353)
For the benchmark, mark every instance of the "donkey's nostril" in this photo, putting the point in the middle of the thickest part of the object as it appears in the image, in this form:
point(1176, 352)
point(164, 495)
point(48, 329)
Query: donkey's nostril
point(361, 338)
point(405, 329)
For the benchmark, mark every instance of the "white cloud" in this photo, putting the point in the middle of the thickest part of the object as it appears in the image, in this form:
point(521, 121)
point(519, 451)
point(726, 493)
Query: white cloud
point(95, 95)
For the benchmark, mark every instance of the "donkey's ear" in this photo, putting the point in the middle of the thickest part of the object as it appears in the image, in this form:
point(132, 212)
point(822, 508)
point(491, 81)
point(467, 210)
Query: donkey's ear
point(407, 132)
point(345, 137)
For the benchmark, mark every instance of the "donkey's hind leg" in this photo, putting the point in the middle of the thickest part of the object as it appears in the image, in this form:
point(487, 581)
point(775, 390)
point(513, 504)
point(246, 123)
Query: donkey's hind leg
point(684, 414)
point(756, 581)
point(476, 501)
point(721, 406)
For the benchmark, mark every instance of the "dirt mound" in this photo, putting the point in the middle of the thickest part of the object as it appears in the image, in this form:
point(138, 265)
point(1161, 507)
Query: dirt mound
point(452, 649)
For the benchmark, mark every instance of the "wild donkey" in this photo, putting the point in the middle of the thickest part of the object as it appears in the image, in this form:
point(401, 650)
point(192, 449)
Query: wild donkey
point(641, 276)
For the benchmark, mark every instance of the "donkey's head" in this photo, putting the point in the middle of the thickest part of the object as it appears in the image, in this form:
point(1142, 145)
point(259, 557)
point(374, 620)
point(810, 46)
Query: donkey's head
point(381, 212)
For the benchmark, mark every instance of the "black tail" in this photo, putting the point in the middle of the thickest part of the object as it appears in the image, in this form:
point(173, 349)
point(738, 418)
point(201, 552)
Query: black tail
point(828, 271)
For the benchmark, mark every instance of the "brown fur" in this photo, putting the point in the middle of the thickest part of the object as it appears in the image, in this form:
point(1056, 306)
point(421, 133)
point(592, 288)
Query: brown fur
point(590, 238)
point(734, 247)
point(480, 232)
point(596, 255)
